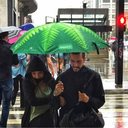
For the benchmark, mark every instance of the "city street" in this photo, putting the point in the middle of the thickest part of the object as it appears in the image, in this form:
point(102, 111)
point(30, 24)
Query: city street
point(107, 18)
point(115, 110)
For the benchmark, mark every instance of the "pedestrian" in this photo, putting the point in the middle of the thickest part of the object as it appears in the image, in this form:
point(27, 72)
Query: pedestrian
point(38, 90)
point(60, 62)
point(18, 73)
point(114, 48)
point(7, 59)
point(73, 87)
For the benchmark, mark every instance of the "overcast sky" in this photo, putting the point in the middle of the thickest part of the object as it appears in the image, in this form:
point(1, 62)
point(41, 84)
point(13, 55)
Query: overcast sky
point(50, 7)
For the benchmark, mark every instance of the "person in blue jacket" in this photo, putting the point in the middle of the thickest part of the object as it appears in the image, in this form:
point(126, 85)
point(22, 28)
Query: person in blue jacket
point(18, 73)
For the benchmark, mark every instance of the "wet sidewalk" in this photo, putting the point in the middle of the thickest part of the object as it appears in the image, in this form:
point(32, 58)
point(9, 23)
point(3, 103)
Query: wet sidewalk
point(115, 111)
point(106, 68)
point(109, 87)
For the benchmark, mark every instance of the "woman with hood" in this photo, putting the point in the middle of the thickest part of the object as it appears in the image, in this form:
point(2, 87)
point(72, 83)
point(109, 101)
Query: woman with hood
point(38, 89)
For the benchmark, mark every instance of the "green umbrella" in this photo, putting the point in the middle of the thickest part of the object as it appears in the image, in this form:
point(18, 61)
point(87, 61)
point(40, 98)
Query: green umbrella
point(58, 38)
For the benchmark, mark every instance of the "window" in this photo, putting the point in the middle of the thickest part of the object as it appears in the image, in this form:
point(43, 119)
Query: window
point(106, 1)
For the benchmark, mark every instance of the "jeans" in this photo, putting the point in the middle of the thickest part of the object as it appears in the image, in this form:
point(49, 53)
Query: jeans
point(6, 89)
point(18, 85)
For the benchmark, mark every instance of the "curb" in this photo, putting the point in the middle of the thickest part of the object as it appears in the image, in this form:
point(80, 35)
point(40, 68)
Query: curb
point(116, 91)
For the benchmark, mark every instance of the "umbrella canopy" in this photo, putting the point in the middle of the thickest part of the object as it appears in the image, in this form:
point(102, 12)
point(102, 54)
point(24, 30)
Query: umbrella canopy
point(27, 26)
point(9, 28)
point(15, 35)
point(58, 38)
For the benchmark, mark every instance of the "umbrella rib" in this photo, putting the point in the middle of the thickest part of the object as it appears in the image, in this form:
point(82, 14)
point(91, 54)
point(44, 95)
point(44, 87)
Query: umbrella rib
point(97, 49)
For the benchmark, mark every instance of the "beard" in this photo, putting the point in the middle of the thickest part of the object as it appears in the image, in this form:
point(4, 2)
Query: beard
point(76, 69)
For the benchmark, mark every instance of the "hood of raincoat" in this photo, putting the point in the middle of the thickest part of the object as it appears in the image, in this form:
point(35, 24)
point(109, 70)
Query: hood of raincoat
point(36, 64)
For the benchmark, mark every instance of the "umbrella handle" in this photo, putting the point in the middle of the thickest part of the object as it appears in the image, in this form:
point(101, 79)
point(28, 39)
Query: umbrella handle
point(97, 49)
point(59, 71)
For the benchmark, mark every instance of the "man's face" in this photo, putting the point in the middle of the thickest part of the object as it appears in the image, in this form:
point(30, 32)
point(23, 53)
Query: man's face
point(77, 61)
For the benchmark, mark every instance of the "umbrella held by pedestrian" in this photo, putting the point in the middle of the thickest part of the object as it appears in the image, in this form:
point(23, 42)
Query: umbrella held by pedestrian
point(59, 38)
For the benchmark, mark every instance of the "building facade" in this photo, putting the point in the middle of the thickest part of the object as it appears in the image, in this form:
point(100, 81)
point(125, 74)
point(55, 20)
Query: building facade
point(13, 12)
point(111, 5)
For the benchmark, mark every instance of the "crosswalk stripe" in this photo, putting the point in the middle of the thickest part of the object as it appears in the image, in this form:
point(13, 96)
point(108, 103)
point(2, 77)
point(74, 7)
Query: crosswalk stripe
point(115, 111)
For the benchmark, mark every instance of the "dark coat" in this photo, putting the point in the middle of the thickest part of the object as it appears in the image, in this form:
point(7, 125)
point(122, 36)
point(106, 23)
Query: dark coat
point(7, 59)
point(31, 100)
point(29, 85)
point(78, 81)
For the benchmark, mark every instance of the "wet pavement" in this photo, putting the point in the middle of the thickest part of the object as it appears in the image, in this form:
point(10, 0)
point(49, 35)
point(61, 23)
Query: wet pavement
point(115, 111)
point(105, 67)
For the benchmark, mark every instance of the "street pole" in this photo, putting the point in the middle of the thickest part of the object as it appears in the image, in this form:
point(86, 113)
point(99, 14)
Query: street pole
point(119, 50)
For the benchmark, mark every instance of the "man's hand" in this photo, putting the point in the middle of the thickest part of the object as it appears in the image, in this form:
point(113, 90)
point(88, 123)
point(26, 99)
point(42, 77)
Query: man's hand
point(83, 97)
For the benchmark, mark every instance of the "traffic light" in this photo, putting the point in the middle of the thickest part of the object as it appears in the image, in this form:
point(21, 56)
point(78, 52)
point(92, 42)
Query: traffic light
point(121, 22)
point(120, 28)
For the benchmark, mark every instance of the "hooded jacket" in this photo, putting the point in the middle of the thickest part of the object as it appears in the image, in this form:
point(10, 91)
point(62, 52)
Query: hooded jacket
point(29, 85)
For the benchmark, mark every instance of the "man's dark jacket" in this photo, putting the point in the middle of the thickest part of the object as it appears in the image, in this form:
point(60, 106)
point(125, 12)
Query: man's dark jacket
point(85, 80)
point(7, 59)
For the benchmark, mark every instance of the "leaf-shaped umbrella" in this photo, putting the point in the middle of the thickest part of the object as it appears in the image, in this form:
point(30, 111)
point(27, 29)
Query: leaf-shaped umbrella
point(58, 38)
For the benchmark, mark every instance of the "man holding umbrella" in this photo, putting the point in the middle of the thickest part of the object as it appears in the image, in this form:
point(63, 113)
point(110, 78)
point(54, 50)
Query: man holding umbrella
point(7, 59)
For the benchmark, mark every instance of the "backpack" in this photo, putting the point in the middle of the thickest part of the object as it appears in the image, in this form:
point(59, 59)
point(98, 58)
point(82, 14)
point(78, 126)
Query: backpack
point(77, 118)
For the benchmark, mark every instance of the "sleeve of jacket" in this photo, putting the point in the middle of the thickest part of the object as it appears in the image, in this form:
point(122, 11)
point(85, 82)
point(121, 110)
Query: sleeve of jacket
point(55, 99)
point(15, 60)
point(97, 99)
point(30, 97)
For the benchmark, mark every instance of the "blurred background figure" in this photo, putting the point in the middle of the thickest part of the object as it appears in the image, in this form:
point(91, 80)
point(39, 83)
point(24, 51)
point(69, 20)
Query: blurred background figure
point(28, 19)
point(60, 62)
point(18, 73)
point(7, 59)
point(28, 24)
